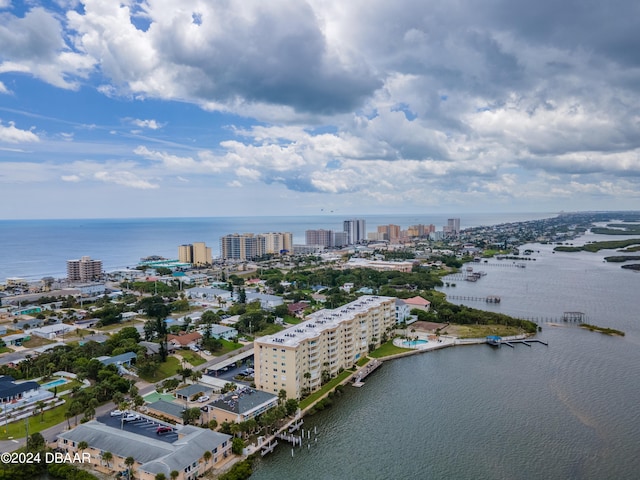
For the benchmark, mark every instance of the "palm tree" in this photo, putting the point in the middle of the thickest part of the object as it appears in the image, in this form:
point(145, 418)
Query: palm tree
point(160, 476)
point(129, 461)
point(107, 457)
point(82, 446)
point(40, 409)
point(207, 456)
point(174, 474)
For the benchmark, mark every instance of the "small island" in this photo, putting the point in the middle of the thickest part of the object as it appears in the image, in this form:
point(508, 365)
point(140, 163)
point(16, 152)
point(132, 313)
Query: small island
point(606, 331)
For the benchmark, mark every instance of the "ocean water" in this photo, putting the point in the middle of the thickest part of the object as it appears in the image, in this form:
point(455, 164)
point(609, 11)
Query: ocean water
point(568, 410)
point(33, 249)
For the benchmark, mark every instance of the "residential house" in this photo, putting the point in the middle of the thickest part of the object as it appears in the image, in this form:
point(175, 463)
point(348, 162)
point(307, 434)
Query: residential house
point(12, 392)
point(185, 340)
point(267, 302)
point(419, 303)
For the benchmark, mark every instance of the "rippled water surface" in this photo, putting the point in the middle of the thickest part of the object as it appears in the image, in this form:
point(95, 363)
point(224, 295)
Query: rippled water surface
point(569, 410)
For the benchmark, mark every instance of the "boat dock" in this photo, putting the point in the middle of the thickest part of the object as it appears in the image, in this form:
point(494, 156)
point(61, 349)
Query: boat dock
point(497, 341)
point(527, 342)
point(268, 448)
point(365, 372)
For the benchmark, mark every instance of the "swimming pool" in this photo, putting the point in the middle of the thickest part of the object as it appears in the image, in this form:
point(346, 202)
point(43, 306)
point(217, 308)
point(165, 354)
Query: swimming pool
point(55, 383)
point(413, 343)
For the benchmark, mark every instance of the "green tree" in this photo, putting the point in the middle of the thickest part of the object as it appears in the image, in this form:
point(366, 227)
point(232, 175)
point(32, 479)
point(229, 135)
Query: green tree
point(82, 446)
point(207, 456)
point(291, 406)
point(35, 442)
point(282, 396)
point(237, 445)
point(174, 474)
point(107, 457)
point(129, 461)
point(40, 408)
point(191, 415)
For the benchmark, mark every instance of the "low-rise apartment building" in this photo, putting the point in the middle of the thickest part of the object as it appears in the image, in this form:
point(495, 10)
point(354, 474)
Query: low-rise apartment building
point(299, 358)
point(152, 456)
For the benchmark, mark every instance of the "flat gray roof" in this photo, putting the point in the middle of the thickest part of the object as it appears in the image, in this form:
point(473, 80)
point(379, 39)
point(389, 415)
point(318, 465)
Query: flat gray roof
point(170, 408)
point(190, 390)
point(243, 400)
point(156, 456)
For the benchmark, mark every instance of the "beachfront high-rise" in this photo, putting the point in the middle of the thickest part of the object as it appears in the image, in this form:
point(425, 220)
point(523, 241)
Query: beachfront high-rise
point(299, 358)
point(319, 237)
point(452, 227)
point(241, 246)
point(197, 254)
point(84, 270)
point(248, 246)
point(355, 229)
point(277, 242)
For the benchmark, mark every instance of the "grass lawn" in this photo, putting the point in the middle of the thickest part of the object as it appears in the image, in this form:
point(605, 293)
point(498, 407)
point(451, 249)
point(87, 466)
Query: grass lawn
point(327, 387)
point(113, 326)
point(227, 347)
point(363, 361)
point(5, 350)
point(35, 342)
point(270, 329)
point(166, 370)
point(387, 349)
point(292, 320)
point(192, 357)
point(51, 417)
point(480, 331)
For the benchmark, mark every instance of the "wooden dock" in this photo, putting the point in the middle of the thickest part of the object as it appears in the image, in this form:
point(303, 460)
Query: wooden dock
point(268, 448)
point(365, 372)
point(526, 342)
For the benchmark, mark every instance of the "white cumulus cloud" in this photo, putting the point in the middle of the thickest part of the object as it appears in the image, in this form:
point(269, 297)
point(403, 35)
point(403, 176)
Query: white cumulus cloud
point(11, 134)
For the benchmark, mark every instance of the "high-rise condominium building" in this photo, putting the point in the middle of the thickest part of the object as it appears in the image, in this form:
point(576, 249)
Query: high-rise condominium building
point(248, 246)
point(328, 340)
point(453, 227)
point(340, 239)
point(420, 230)
point(84, 270)
point(319, 237)
point(242, 247)
point(197, 254)
point(355, 229)
point(275, 243)
point(389, 232)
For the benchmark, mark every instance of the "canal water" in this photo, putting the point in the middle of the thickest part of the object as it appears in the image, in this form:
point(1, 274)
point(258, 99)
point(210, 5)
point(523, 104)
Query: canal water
point(569, 410)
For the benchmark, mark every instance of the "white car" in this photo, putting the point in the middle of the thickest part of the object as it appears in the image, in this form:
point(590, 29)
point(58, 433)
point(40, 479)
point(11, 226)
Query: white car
point(203, 398)
point(130, 417)
point(206, 352)
point(117, 413)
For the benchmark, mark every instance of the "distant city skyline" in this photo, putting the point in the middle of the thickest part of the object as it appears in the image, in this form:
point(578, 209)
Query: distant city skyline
point(195, 109)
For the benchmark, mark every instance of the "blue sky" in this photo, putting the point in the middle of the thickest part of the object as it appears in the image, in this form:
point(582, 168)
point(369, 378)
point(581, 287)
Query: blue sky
point(209, 108)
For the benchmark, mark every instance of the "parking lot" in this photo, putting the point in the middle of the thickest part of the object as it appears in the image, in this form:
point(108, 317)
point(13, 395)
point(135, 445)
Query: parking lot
point(230, 371)
point(144, 426)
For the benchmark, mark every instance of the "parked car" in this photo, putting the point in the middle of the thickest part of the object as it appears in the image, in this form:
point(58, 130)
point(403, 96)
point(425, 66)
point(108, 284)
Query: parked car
point(203, 398)
point(163, 429)
point(206, 352)
point(130, 417)
point(117, 413)
point(194, 348)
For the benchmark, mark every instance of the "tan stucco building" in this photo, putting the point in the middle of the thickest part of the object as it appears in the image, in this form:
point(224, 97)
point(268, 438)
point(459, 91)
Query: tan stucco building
point(327, 341)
